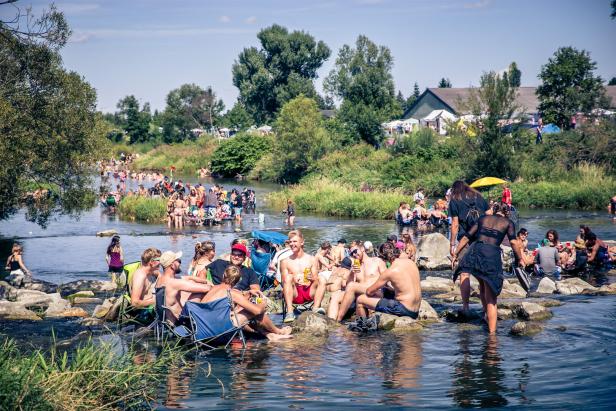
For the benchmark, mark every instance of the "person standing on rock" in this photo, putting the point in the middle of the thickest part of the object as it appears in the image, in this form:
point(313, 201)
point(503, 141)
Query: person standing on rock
point(300, 280)
point(115, 258)
point(402, 277)
point(483, 259)
point(465, 208)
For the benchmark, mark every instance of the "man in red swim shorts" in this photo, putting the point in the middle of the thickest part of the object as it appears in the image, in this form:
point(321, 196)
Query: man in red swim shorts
point(300, 280)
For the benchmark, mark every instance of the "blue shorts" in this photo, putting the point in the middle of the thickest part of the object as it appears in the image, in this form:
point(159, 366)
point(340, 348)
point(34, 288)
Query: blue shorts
point(395, 307)
point(237, 210)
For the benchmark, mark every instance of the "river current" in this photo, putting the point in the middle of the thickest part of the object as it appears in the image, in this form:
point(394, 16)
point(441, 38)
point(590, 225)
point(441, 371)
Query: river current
point(569, 365)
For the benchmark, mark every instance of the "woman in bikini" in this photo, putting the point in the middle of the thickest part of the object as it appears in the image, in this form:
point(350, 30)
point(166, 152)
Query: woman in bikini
point(204, 255)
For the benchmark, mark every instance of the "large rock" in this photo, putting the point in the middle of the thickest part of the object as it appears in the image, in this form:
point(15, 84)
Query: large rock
point(314, 324)
point(7, 291)
point(433, 252)
point(573, 285)
point(106, 233)
point(39, 298)
point(608, 288)
point(16, 311)
point(437, 284)
point(388, 322)
point(504, 313)
point(87, 300)
point(532, 311)
point(40, 285)
point(427, 313)
point(512, 290)
point(114, 311)
point(546, 286)
point(68, 312)
point(87, 285)
point(525, 328)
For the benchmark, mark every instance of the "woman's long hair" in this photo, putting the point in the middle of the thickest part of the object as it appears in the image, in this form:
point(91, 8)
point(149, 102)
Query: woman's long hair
point(202, 248)
point(115, 242)
point(460, 191)
point(502, 208)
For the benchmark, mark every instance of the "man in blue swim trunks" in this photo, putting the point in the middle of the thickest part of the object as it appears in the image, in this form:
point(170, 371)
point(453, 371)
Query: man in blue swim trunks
point(402, 277)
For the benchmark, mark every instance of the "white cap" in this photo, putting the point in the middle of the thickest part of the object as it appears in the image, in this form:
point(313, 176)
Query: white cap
point(368, 245)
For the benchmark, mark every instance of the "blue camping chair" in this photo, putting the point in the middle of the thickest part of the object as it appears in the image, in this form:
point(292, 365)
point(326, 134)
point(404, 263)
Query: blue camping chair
point(260, 263)
point(162, 324)
point(211, 322)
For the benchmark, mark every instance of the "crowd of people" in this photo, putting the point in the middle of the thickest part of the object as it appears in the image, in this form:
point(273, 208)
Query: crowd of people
point(186, 203)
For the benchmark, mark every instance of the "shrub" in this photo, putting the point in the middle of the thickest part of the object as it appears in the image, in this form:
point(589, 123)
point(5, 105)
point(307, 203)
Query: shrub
point(240, 154)
point(143, 209)
point(186, 157)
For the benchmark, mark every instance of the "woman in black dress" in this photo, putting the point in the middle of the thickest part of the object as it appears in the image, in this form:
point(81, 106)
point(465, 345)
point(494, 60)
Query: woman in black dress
point(483, 259)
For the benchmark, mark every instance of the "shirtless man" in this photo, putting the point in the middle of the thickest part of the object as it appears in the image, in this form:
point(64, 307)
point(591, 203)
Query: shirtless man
point(300, 280)
point(339, 251)
point(179, 290)
point(324, 260)
point(140, 288)
point(244, 308)
point(403, 278)
point(371, 269)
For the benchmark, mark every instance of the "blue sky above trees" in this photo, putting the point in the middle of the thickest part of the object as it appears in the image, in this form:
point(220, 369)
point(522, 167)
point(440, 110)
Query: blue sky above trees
point(148, 47)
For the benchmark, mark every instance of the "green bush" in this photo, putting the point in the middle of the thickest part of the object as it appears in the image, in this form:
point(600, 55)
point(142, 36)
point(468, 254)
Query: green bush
point(240, 154)
point(143, 209)
point(186, 157)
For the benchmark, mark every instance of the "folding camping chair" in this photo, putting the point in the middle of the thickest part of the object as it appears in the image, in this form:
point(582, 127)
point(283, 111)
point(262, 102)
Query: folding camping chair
point(260, 263)
point(162, 325)
point(211, 322)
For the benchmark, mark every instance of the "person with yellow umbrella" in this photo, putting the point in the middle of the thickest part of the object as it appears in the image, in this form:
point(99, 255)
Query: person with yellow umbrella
point(492, 181)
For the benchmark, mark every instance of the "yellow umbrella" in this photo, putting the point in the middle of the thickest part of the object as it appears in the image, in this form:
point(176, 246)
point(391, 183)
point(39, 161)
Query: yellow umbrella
point(487, 181)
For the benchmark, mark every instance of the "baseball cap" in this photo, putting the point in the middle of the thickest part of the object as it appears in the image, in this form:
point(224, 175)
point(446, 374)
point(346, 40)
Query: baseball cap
point(168, 257)
point(368, 246)
point(240, 247)
point(346, 263)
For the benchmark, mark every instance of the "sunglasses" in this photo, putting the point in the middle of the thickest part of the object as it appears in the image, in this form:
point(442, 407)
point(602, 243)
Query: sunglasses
point(239, 254)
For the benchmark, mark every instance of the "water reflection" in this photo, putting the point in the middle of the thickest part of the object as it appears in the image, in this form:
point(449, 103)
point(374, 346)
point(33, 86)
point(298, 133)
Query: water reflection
point(478, 379)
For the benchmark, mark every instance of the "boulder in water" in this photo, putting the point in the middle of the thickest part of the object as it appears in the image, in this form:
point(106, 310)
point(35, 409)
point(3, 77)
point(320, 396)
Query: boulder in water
point(573, 285)
point(16, 311)
point(87, 285)
point(64, 313)
point(87, 300)
point(512, 290)
point(525, 328)
point(437, 284)
point(106, 233)
point(427, 313)
point(546, 286)
point(315, 324)
point(388, 322)
point(433, 252)
point(504, 313)
point(608, 288)
point(532, 311)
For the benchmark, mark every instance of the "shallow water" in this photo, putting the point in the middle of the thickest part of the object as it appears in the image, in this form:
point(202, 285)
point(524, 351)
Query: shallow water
point(568, 365)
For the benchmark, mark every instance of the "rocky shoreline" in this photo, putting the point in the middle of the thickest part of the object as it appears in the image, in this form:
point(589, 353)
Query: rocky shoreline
point(94, 303)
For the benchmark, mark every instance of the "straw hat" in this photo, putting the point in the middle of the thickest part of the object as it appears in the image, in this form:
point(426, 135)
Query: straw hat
point(168, 257)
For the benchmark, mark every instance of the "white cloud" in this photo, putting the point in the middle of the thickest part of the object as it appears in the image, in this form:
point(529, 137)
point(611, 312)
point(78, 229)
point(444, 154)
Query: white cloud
point(80, 37)
point(250, 20)
point(78, 8)
point(224, 19)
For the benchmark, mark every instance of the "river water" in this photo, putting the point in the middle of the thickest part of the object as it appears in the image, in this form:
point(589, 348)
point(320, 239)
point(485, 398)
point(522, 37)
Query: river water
point(568, 365)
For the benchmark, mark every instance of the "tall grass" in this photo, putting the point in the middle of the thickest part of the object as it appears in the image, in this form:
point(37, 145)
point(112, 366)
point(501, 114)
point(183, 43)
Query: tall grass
point(143, 209)
point(186, 157)
point(94, 376)
point(324, 196)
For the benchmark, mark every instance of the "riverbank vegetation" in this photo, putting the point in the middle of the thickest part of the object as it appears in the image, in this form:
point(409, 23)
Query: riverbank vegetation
point(94, 376)
point(143, 209)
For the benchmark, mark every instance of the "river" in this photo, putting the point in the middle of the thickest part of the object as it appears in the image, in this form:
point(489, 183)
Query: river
point(445, 366)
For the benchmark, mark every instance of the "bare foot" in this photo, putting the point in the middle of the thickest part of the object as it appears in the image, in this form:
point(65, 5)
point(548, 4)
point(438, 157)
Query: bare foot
point(277, 337)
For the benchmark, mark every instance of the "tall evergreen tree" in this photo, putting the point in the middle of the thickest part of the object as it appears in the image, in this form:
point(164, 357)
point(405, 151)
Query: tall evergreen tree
point(444, 83)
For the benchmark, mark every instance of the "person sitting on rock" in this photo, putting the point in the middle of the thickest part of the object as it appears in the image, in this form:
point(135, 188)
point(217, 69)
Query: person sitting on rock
point(300, 281)
point(371, 269)
point(245, 309)
point(547, 260)
point(597, 250)
point(324, 260)
point(339, 251)
point(141, 293)
point(402, 277)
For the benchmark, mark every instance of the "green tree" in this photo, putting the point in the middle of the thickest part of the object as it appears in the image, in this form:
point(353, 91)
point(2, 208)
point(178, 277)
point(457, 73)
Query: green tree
point(568, 85)
point(283, 68)
point(362, 79)
point(135, 121)
point(401, 100)
point(514, 75)
point(416, 92)
point(237, 117)
point(239, 154)
point(494, 151)
point(444, 83)
point(612, 82)
point(301, 139)
point(613, 15)
point(48, 121)
point(189, 107)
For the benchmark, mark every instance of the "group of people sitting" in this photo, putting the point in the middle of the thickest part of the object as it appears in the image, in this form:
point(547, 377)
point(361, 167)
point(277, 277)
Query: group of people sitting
point(552, 256)
point(436, 215)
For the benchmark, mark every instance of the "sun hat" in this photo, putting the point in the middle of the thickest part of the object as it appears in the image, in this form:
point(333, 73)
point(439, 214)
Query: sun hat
point(168, 257)
point(240, 247)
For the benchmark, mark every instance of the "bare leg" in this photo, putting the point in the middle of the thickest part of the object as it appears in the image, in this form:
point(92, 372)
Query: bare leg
point(465, 289)
point(352, 290)
point(491, 310)
point(364, 303)
point(289, 291)
point(317, 291)
point(334, 304)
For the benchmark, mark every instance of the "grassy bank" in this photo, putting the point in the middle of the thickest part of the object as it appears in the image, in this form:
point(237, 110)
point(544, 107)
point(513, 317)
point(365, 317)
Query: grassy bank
point(186, 157)
point(324, 196)
point(143, 209)
point(92, 377)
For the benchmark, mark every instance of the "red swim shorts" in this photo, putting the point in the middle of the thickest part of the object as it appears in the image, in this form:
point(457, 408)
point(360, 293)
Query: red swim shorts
point(303, 294)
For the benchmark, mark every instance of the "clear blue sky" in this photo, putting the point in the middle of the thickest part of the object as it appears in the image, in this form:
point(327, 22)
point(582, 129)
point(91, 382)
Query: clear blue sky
point(148, 47)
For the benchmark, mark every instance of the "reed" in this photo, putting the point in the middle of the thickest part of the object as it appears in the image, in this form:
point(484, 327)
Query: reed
point(94, 376)
point(143, 209)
